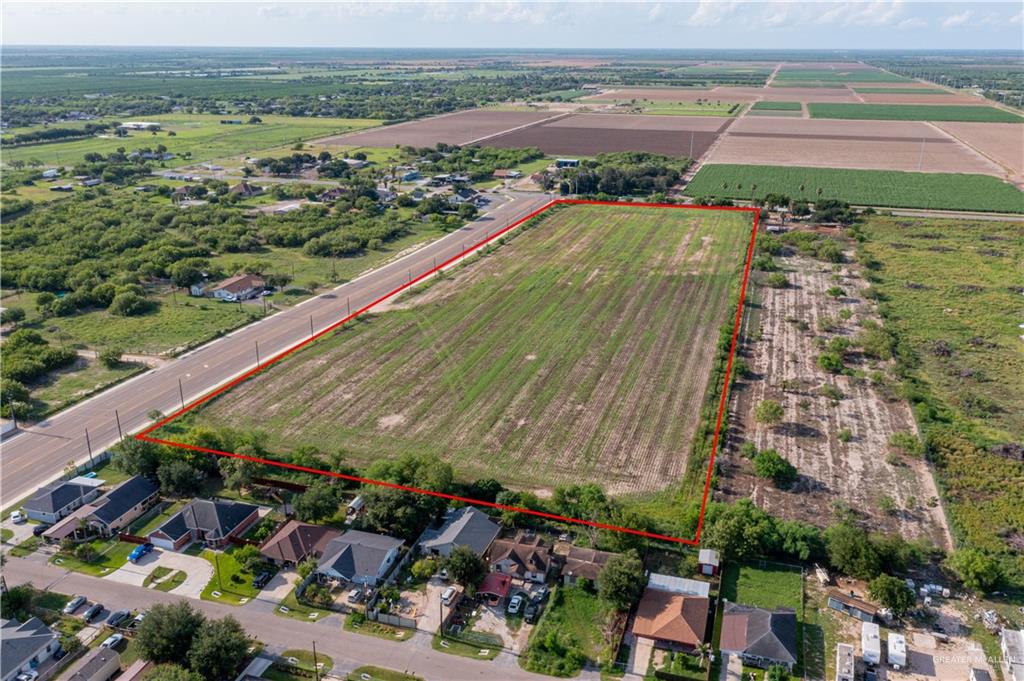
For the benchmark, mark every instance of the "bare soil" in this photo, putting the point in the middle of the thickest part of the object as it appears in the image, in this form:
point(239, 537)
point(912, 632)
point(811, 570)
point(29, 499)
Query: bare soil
point(1002, 142)
point(857, 473)
point(457, 128)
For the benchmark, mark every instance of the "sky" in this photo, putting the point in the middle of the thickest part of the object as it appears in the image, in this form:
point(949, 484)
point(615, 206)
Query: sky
point(885, 24)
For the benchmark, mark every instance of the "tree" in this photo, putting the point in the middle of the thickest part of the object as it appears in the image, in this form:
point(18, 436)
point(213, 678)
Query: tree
point(129, 304)
point(177, 479)
point(219, 649)
point(465, 567)
point(851, 552)
point(12, 315)
point(769, 412)
point(893, 593)
point(172, 672)
point(467, 211)
point(110, 357)
point(318, 502)
point(249, 557)
point(776, 673)
point(167, 632)
point(423, 568)
point(136, 457)
point(769, 464)
point(976, 569)
point(237, 473)
point(621, 580)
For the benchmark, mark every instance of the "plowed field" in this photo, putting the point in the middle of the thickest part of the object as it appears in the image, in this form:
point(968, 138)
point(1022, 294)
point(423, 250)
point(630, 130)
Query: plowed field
point(580, 351)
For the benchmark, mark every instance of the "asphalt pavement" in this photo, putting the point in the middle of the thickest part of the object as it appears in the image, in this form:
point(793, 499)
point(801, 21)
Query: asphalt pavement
point(39, 453)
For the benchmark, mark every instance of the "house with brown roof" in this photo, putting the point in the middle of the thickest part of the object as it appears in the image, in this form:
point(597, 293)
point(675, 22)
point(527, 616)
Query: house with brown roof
point(245, 190)
point(672, 620)
point(523, 557)
point(239, 287)
point(581, 563)
point(296, 541)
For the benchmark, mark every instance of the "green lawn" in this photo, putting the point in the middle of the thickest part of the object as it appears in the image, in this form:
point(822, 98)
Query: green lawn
point(229, 579)
point(900, 91)
point(462, 649)
point(65, 387)
point(158, 572)
point(913, 112)
point(299, 611)
point(777, 106)
point(6, 535)
point(172, 583)
point(380, 674)
point(384, 631)
point(887, 188)
point(26, 547)
point(577, 619)
point(112, 554)
point(154, 518)
point(200, 135)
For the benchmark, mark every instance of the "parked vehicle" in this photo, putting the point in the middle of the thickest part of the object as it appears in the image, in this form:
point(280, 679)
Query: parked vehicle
point(139, 551)
point(541, 594)
point(443, 574)
point(74, 604)
point(137, 620)
point(18, 517)
point(112, 641)
point(117, 618)
point(448, 595)
point(355, 595)
point(260, 580)
point(38, 530)
point(93, 612)
point(30, 675)
point(516, 604)
point(532, 612)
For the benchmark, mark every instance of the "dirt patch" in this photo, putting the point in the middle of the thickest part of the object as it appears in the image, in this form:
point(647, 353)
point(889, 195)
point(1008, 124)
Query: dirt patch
point(1002, 142)
point(457, 128)
point(857, 468)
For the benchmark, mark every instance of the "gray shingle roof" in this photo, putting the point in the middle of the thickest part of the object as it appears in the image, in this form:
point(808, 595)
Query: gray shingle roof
point(215, 517)
point(19, 642)
point(357, 553)
point(55, 496)
point(125, 496)
point(467, 526)
point(769, 634)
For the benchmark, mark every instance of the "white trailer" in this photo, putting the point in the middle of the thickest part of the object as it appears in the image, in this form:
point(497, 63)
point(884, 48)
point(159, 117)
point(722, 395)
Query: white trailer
point(896, 647)
point(870, 643)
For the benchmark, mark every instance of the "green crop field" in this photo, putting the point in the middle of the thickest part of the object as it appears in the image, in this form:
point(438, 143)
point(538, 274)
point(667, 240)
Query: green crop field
point(888, 188)
point(579, 351)
point(836, 76)
point(899, 91)
point(951, 290)
point(200, 135)
point(913, 112)
point(777, 106)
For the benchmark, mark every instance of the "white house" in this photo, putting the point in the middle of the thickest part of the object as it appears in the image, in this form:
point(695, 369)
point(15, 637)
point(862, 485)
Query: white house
point(678, 585)
point(358, 557)
point(239, 287)
point(25, 646)
point(870, 643)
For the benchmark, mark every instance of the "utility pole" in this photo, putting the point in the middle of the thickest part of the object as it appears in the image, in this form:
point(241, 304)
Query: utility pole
point(311, 326)
point(118, 418)
point(88, 446)
point(316, 667)
point(181, 393)
point(348, 305)
point(257, 354)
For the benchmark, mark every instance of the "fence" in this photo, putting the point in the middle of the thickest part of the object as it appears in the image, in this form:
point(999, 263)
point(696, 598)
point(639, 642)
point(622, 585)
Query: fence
point(393, 620)
point(131, 538)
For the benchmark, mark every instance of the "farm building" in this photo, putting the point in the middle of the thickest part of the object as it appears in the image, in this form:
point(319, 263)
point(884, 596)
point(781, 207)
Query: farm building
point(896, 650)
point(851, 605)
point(466, 526)
point(761, 638)
point(211, 521)
point(50, 174)
point(846, 662)
point(870, 643)
point(581, 563)
point(239, 287)
point(503, 174)
point(523, 557)
point(708, 562)
point(57, 500)
point(358, 557)
point(671, 620)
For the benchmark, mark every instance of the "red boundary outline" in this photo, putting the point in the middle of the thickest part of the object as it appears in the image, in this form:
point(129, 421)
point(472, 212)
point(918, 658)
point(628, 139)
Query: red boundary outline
point(144, 435)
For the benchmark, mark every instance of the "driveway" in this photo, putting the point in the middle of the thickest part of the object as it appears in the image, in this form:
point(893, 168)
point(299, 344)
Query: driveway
point(429, 616)
point(732, 668)
point(640, 655)
point(198, 571)
point(22, 531)
point(279, 586)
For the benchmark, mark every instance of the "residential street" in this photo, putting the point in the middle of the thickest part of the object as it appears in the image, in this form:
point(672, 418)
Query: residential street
point(41, 452)
point(348, 650)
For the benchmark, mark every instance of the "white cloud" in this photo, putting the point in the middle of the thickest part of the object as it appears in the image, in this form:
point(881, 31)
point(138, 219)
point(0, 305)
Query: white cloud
point(1017, 18)
point(954, 20)
point(656, 12)
point(878, 13)
point(711, 13)
point(912, 22)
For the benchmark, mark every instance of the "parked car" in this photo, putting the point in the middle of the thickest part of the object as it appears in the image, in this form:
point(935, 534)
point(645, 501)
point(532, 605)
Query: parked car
point(448, 595)
point(260, 580)
point(137, 620)
point(38, 530)
point(355, 595)
point(117, 618)
point(112, 641)
point(30, 675)
point(18, 517)
point(139, 551)
point(541, 594)
point(532, 612)
point(74, 604)
point(516, 604)
point(93, 612)
point(443, 574)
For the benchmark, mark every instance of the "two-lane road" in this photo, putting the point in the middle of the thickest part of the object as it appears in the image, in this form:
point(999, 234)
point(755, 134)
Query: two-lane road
point(41, 452)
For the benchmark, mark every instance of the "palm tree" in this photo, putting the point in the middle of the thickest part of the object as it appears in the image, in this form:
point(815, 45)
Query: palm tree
point(704, 653)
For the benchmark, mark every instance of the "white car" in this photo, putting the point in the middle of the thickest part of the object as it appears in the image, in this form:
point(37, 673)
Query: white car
point(448, 595)
point(112, 641)
point(515, 605)
point(17, 518)
point(30, 675)
point(355, 595)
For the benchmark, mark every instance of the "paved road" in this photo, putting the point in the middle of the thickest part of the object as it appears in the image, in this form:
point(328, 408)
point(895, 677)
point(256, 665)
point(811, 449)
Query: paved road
point(348, 650)
point(41, 452)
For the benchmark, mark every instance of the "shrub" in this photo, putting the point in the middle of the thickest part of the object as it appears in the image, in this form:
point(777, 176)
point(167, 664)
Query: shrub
point(844, 435)
point(769, 412)
point(110, 357)
point(835, 291)
point(776, 280)
point(769, 464)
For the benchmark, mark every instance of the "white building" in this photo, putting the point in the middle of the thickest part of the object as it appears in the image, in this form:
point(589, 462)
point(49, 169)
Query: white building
point(1011, 642)
point(870, 643)
point(846, 662)
point(896, 648)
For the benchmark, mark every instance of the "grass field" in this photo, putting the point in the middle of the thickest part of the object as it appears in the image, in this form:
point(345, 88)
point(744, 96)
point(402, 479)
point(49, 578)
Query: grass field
point(379, 674)
point(577, 618)
point(230, 579)
point(900, 91)
point(889, 188)
point(913, 112)
point(578, 352)
point(777, 106)
point(681, 108)
point(835, 76)
point(199, 134)
point(952, 292)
